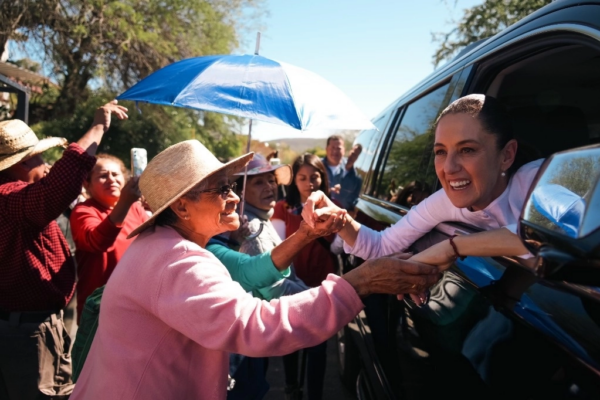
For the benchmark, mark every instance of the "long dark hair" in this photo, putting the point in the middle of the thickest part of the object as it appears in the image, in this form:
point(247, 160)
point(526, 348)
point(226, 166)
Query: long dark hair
point(293, 194)
point(494, 119)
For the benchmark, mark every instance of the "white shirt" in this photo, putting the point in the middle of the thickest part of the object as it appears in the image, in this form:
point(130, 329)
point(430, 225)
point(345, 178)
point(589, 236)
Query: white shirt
point(504, 211)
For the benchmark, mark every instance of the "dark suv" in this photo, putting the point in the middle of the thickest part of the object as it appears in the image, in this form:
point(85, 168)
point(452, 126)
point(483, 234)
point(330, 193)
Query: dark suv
point(494, 328)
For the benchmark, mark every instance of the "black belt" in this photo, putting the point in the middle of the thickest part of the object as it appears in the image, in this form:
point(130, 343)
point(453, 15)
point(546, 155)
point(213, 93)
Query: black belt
point(28, 316)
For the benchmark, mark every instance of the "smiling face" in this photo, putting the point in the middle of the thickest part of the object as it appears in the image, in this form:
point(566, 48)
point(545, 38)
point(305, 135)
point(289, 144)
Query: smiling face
point(335, 152)
point(308, 179)
point(105, 182)
point(212, 214)
point(261, 191)
point(468, 162)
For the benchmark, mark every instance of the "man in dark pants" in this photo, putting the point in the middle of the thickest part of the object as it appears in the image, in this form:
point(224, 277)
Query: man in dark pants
point(38, 273)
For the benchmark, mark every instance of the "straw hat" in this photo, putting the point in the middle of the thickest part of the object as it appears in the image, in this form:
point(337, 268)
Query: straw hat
point(177, 169)
point(18, 141)
point(260, 165)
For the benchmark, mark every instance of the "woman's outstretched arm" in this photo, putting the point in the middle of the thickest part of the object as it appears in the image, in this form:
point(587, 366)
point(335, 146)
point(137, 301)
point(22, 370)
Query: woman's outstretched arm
point(494, 243)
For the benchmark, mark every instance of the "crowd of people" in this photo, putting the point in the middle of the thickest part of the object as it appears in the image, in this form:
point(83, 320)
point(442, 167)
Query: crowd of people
point(198, 297)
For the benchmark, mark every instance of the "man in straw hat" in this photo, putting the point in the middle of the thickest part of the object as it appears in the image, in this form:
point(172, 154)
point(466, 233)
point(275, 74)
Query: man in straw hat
point(38, 273)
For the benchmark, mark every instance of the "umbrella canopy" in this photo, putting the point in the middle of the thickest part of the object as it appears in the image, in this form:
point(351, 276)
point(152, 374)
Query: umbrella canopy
point(254, 87)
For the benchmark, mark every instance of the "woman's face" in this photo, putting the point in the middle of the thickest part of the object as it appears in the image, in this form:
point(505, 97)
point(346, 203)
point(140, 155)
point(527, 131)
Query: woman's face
point(212, 214)
point(261, 191)
point(468, 162)
point(308, 179)
point(106, 182)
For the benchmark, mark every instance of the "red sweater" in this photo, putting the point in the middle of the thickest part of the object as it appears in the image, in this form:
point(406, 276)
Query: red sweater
point(36, 268)
point(314, 261)
point(99, 244)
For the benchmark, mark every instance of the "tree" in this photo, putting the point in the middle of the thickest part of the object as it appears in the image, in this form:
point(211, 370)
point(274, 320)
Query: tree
point(152, 127)
point(480, 22)
point(111, 44)
point(117, 42)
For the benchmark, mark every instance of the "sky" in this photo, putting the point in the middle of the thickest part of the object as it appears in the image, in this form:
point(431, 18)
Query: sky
point(372, 50)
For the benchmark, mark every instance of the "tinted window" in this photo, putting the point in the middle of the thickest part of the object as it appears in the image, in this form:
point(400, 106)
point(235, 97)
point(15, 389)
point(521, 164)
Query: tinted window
point(408, 175)
point(369, 140)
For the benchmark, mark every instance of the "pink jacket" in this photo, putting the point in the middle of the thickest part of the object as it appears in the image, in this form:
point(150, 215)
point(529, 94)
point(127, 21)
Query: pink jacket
point(170, 315)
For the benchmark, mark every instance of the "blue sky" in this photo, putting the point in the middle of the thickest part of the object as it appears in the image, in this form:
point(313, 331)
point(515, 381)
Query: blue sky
point(373, 50)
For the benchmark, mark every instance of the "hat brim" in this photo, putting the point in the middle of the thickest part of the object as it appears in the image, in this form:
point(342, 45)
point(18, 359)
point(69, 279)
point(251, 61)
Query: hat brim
point(231, 168)
point(283, 173)
point(39, 148)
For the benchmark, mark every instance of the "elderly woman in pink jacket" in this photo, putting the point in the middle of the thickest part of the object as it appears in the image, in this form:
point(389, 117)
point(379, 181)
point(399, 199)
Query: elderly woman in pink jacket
point(171, 313)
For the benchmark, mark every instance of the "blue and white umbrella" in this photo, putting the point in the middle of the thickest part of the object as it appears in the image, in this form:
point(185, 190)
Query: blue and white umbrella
point(254, 87)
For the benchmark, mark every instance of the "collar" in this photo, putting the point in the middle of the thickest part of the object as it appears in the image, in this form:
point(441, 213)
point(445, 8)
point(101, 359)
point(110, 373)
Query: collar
point(262, 214)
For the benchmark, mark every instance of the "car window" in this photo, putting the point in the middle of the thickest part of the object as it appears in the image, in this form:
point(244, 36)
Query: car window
point(408, 174)
point(553, 98)
point(369, 139)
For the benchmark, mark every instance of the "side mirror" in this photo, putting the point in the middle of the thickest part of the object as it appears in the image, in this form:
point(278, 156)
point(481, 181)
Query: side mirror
point(560, 222)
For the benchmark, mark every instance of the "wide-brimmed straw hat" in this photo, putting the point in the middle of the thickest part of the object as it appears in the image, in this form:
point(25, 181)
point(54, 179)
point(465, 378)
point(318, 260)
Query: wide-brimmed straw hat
point(260, 165)
point(18, 141)
point(177, 169)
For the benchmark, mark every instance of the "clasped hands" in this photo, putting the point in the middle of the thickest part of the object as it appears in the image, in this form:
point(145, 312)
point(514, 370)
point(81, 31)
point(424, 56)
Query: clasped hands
point(319, 208)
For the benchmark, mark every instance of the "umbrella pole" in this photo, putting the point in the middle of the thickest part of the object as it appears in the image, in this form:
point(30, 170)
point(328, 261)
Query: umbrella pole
point(243, 199)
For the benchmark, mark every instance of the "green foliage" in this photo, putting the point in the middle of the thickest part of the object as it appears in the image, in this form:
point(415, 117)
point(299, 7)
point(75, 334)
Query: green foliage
point(409, 159)
point(152, 127)
point(112, 44)
point(318, 151)
point(482, 21)
point(575, 174)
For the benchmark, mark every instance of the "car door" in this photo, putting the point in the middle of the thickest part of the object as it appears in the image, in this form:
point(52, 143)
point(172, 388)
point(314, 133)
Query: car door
point(494, 328)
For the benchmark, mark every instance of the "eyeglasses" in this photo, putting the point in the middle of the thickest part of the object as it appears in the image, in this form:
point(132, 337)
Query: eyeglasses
point(223, 190)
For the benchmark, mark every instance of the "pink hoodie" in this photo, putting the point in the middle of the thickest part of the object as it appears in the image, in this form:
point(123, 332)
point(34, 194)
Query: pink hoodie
point(170, 315)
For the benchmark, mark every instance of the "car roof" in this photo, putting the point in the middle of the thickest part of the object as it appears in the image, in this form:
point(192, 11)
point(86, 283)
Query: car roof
point(468, 53)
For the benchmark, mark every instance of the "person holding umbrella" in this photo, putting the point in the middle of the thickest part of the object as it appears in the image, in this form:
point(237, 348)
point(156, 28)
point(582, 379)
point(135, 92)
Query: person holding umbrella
point(171, 313)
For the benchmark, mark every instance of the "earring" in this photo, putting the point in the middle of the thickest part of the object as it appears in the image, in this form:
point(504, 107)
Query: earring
point(186, 217)
point(503, 174)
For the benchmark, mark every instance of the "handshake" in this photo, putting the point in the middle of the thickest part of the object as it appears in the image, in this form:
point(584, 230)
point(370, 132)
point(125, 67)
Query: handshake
point(320, 213)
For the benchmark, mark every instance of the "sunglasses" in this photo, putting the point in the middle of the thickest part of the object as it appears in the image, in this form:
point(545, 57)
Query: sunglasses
point(223, 190)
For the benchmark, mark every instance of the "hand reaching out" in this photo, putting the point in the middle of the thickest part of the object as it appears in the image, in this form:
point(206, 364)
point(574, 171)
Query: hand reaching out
point(103, 114)
point(328, 221)
point(391, 275)
point(315, 201)
point(441, 255)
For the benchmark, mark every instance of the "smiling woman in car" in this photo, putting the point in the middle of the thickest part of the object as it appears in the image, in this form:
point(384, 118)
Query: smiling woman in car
point(171, 312)
point(484, 183)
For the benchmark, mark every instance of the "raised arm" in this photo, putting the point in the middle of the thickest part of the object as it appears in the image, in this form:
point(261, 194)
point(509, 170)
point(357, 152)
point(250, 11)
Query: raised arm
point(102, 118)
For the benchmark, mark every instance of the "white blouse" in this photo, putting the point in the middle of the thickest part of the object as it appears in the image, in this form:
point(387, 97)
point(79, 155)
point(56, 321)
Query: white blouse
point(504, 211)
